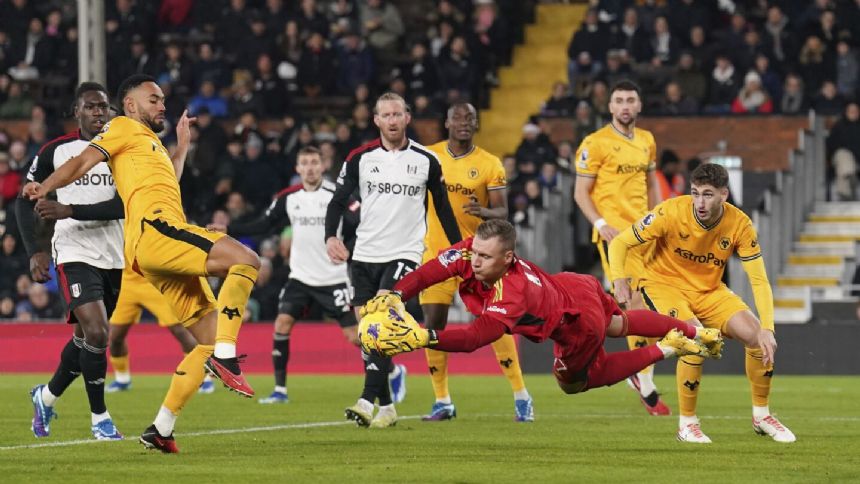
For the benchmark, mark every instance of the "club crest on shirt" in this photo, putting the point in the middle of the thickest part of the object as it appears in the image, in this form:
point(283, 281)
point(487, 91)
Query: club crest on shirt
point(473, 173)
point(449, 256)
point(673, 313)
point(725, 242)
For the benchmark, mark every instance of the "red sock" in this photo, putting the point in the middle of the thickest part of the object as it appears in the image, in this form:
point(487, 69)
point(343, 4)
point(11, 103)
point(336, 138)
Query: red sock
point(641, 322)
point(614, 367)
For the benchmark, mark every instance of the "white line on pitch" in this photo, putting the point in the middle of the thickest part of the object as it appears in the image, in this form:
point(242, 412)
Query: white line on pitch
point(244, 430)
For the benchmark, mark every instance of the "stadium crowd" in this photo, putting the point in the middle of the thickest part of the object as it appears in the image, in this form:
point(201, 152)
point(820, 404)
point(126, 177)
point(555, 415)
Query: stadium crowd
point(268, 77)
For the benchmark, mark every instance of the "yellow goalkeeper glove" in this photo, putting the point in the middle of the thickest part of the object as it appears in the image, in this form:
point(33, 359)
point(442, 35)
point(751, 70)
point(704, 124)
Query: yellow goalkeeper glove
point(390, 333)
point(383, 302)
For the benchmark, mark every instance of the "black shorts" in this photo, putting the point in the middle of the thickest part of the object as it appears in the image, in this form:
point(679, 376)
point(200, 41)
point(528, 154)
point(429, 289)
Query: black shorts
point(335, 301)
point(82, 283)
point(368, 278)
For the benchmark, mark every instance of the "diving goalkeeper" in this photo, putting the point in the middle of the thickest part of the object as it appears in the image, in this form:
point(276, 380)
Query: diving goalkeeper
point(512, 295)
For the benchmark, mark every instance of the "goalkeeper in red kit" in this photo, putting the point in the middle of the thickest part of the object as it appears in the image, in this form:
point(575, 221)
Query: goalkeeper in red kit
point(511, 295)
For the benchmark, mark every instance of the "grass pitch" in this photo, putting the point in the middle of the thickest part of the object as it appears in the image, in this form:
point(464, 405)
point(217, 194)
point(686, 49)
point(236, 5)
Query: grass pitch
point(603, 435)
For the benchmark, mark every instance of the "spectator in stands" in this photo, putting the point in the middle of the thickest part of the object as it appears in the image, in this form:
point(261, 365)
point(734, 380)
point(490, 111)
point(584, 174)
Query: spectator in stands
point(7, 306)
point(209, 100)
point(534, 150)
point(746, 55)
point(690, 78)
point(777, 38)
point(6, 55)
point(564, 157)
point(271, 90)
point(843, 152)
point(617, 68)
point(244, 100)
point(825, 29)
point(238, 209)
point(663, 46)
point(362, 126)
point(534, 193)
point(670, 176)
point(40, 305)
point(770, 80)
point(584, 122)
point(560, 103)
point(138, 62)
point(232, 27)
point(342, 18)
point(816, 65)
point(354, 63)
point(599, 99)
point(344, 140)
point(442, 39)
point(33, 56)
point(382, 26)
point(703, 52)
point(258, 43)
point(18, 160)
point(828, 101)
point(752, 98)
point(420, 73)
point(631, 37)
point(592, 38)
point(456, 69)
point(794, 99)
point(723, 86)
point(732, 37)
point(682, 15)
point(18, 103)
point(847, 69)
point(258, 179)
point(548, 177)
point(316, 67)
point(311, 20)
point(13, 263)
point(289, 43)
point(676, 103)
point(174, 68)
point(448, 13)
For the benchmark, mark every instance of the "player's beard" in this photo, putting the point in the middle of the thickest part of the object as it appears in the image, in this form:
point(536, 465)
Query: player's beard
point(155, 126)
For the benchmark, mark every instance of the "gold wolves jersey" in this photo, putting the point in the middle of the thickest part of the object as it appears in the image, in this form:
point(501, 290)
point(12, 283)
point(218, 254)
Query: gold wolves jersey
point(469, 177)
point(619, 166)
point(143, 172)
point(688, 255)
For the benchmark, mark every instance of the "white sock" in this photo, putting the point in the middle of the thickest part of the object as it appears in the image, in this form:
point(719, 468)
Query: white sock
point(395, 372)
point(279, 389)
point(683, 420)
point(646, 383)
point(365, 405)
point(521, 394)
point(207, 377)
point(122, 376)
point(49, 398)
point(164, 421)
point(446, 400)
point(668, 351)
point(387, 408)
point(760, 412)
point(98, 417)
point(224, 350)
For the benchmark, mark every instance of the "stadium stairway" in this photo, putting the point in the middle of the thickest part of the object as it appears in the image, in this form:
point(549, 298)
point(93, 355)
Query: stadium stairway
point(527, 82)
point(822, 262)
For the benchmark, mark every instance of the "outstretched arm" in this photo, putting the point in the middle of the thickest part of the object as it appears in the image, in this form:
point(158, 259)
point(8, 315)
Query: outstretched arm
point(71, 170)
point(183, 141)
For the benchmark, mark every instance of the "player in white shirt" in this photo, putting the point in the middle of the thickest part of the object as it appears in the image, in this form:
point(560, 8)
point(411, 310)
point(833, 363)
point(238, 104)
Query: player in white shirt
point(394, 176)
point(314, 279)
point(89, 259)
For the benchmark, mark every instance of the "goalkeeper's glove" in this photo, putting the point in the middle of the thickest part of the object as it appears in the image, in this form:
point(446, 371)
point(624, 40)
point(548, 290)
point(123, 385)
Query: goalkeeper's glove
point(383, 302)
point(403, 336)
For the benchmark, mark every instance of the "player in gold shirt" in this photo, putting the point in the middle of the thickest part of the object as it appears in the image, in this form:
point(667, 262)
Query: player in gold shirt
point(173, 255)
point(136, 293)
point(616, 185)
point(477, 189)
point(693, 237)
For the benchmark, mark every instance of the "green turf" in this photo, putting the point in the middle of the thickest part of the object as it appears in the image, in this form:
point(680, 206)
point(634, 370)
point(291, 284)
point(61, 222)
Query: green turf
point(598, 436)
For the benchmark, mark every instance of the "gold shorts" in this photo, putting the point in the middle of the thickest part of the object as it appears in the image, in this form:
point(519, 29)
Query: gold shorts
point(634, 266)
point(136, 293)
point(713, 309)
point(442, 293)
point(172, 256)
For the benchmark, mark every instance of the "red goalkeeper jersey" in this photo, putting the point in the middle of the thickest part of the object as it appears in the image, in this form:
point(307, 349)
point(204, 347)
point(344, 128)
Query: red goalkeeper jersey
point(526, 300)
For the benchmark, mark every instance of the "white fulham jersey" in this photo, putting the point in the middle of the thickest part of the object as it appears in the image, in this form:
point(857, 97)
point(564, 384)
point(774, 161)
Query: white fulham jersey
point(305, 212)
point(393, 188)
point(98, 243)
